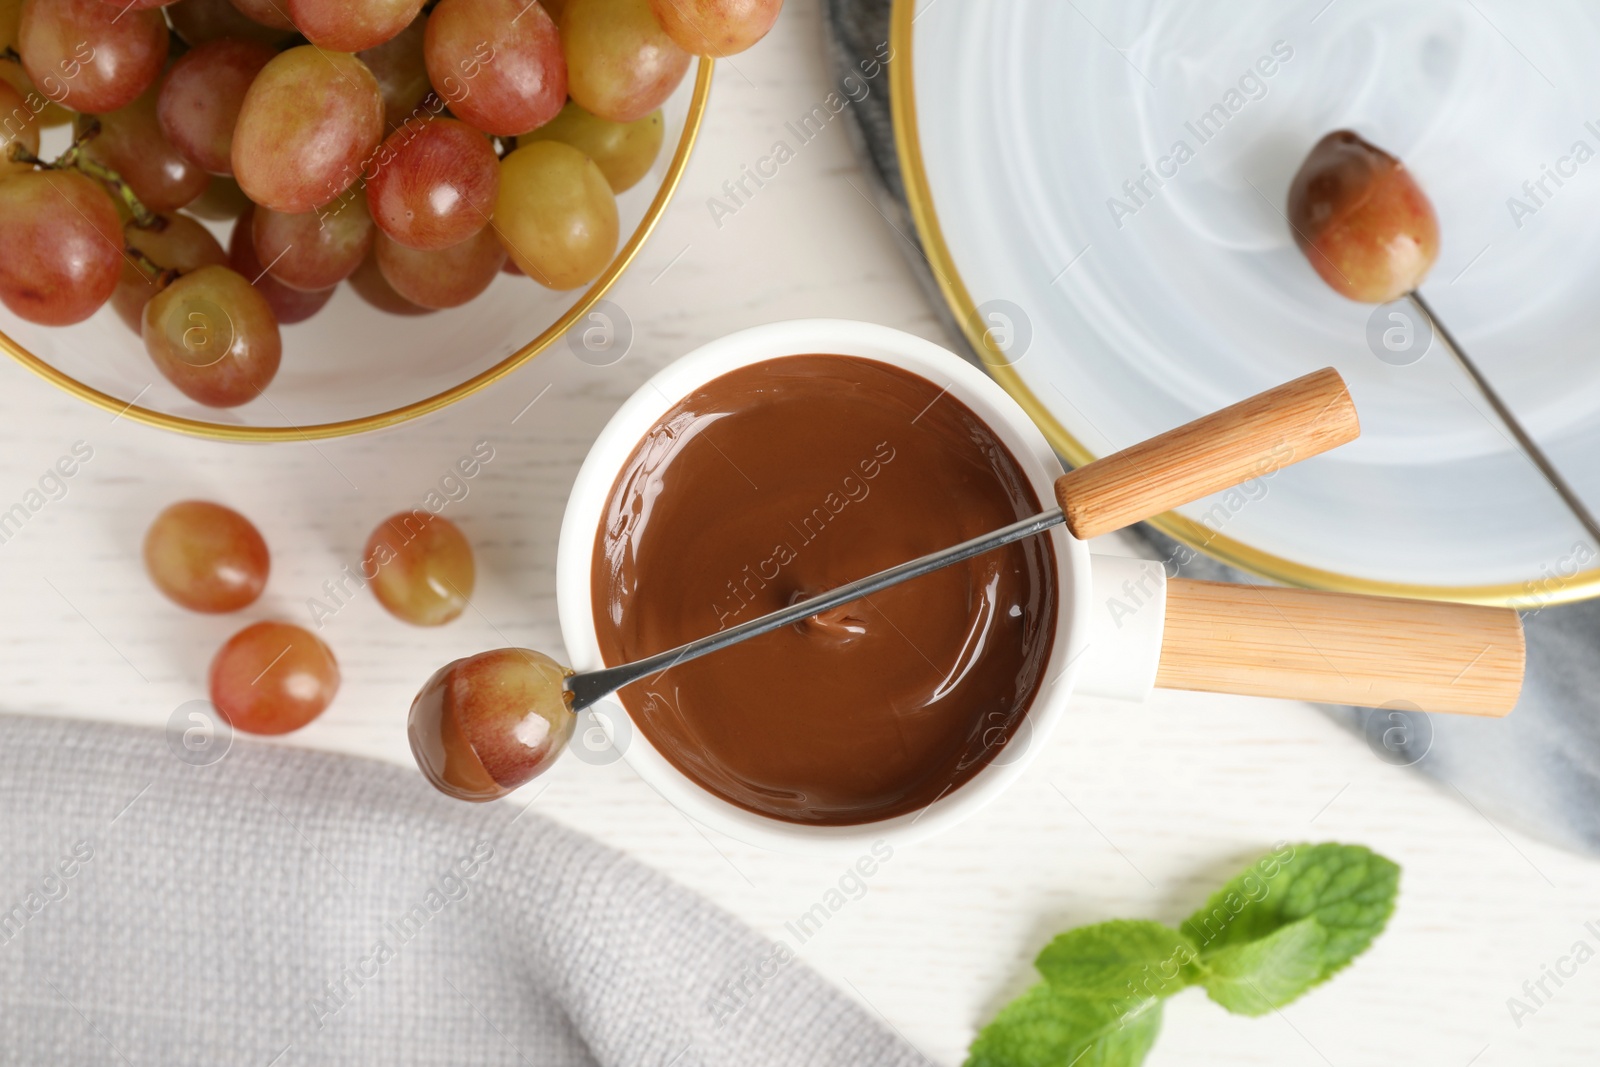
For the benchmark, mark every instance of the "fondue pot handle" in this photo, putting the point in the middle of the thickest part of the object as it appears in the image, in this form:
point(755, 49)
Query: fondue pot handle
point(1340, 648)
point(1254, 437)
point(1333, 648)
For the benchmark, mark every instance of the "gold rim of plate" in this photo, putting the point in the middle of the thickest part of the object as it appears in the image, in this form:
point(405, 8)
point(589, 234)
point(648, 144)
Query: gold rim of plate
point(1197, 536)
point(218, 431)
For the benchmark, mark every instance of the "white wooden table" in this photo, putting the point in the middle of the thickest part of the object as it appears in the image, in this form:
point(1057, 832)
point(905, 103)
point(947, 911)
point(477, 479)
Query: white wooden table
point(1131, 812)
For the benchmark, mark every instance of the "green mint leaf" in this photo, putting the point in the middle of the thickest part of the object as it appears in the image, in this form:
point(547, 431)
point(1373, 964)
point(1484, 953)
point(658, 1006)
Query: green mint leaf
point(1127, 958)
point(1048, 1028)
point(1349, 890)
point(1254, 977)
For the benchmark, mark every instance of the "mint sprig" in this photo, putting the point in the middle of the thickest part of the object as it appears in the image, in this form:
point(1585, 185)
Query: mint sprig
point(1284, 924)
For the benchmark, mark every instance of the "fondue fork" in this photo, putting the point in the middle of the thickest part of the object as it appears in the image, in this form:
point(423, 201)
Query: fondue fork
point(484, 725)
point(1250, 439)
point(587, 687)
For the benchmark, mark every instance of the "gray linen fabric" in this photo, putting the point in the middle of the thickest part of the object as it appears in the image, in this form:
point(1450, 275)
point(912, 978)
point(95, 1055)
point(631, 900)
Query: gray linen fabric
point(1539, 768)
point(282, 907)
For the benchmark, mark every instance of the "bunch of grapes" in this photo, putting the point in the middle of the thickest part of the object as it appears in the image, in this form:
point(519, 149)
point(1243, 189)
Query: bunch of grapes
point(415, 148)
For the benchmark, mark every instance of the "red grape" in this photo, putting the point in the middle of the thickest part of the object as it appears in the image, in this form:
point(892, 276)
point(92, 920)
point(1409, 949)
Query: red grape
point(288, 305)
point(433, 183)
point(497, 63)
point(179, 243)
point(90, 56)
point(484, 725)
point(272, 678)
point(624, 151)
point(206, 557)
point(60, 246)
point(424, 567)
point(716, 27)
point(556, 215)
point(370, 285)
point(17, 127)
point(447, 278)
point(346, 26)
point(213, 335)
point(1362, 221)
point(318, 249)
point(199, 21)
point(621, 65)
point(202, 95)
point(402, 75)
point(131, 143)
point(266, 12)
point(309, 123)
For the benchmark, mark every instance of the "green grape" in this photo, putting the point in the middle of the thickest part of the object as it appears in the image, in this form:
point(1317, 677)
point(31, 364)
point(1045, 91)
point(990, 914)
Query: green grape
point(624, 151)
point(556, 215)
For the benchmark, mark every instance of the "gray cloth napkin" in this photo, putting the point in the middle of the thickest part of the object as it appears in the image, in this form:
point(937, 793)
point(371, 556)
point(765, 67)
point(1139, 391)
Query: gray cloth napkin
point(281, 907)
point(1538, 769)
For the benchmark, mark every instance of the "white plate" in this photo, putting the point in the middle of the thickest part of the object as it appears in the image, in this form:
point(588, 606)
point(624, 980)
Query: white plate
point(1019, 123)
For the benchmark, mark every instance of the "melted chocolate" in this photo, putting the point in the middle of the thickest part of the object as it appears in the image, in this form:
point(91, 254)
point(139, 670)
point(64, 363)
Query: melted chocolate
point(782, 480)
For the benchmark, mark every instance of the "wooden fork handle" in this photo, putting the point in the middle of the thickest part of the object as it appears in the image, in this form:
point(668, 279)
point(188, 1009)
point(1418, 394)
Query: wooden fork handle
point(1254, 437)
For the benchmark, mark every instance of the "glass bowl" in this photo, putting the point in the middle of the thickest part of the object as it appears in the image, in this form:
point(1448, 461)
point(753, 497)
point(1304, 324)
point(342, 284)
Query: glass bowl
point(352, 368)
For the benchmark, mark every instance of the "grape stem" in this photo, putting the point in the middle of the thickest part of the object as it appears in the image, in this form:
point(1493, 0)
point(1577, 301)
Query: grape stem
point(161, 276)
point(75, 158)
point(20, 154)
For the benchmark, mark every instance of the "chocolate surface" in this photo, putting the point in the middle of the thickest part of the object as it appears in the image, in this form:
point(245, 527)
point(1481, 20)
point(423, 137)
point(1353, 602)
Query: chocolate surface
point(782, 480)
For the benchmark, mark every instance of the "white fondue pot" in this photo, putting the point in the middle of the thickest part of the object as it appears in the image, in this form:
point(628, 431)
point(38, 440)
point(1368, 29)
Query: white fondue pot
point(1122, 626)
